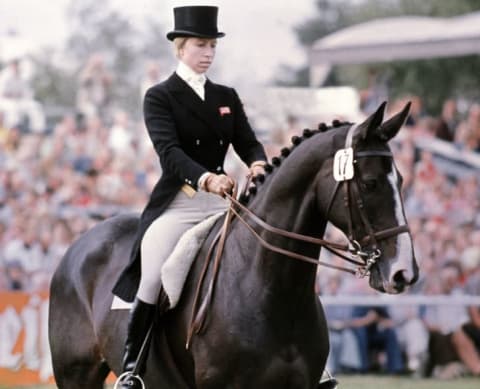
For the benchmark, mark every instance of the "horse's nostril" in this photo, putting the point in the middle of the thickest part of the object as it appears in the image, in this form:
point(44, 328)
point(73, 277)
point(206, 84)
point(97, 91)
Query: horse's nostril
point(399, 278)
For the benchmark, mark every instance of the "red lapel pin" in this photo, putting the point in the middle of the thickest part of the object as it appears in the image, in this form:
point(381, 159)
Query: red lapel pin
point(224, 111)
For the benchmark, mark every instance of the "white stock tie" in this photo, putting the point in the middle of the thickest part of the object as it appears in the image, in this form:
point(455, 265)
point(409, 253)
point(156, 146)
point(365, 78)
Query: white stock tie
point(197, 83)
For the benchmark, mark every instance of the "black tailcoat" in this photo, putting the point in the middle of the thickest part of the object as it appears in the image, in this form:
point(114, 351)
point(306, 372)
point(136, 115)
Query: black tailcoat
point(191, 137)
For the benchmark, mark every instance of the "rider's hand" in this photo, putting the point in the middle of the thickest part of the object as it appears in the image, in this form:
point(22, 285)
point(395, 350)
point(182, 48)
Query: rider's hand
point(219, 184)
point(257, 168)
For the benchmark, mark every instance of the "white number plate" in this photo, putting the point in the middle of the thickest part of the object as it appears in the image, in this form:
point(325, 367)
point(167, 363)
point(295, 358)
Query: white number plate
point(343, 165)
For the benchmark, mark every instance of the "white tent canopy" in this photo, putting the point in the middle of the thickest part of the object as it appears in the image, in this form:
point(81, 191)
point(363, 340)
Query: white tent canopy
point(400, 38)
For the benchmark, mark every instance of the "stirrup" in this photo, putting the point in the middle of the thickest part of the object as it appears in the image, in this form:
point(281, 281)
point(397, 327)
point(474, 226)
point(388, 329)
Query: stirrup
point(329, 382)
point(129, 375)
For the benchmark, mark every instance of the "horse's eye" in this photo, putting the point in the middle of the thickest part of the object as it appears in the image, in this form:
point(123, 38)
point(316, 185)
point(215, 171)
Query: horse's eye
point(369, 185)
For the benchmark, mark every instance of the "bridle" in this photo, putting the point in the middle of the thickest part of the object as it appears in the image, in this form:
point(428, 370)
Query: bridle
point(363, 252)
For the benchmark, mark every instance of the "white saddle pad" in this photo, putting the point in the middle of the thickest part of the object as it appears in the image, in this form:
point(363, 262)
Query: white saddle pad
point(176, 267)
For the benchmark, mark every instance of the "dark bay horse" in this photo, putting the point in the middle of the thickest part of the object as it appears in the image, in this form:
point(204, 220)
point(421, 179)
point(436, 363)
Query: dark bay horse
point(265, 326)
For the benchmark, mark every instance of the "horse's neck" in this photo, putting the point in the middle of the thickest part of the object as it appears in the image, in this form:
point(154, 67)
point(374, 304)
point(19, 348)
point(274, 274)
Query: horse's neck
point(288, 202)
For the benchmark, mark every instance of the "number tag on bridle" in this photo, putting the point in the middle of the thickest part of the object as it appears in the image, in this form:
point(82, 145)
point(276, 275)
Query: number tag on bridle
point(343, 165)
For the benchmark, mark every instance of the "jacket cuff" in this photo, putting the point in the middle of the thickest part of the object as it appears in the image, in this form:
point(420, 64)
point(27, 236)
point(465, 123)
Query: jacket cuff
point(202, 180)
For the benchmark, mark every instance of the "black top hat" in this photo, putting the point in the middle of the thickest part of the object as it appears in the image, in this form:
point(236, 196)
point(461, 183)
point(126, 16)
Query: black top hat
point(197, 21)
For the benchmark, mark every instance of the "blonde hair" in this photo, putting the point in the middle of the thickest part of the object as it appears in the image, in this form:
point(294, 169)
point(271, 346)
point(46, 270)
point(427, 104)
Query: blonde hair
point(179, 42)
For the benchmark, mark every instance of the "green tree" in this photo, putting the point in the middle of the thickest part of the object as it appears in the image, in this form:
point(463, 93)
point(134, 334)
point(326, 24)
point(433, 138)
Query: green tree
point(97, 27)
point(434, 80)
point(51, 82)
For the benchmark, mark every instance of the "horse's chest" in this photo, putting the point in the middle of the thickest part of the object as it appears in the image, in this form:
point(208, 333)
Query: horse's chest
point(247, 357)
point(286, 369)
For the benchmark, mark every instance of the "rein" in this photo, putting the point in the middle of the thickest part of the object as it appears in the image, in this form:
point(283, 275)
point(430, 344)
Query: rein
point(355, 247)
point(199, 313)
point(290, 235)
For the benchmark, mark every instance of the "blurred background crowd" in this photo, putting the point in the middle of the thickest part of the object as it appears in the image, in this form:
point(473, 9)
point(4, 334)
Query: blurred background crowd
point(62, 171)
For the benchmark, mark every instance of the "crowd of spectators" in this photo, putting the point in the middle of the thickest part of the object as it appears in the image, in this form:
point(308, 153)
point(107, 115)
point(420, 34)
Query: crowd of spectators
point(96, 161)
point(57, 182)
point(442, 208)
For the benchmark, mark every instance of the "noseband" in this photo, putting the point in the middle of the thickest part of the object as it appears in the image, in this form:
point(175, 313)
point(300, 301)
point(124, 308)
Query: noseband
point(362, 252)
point(357, 247)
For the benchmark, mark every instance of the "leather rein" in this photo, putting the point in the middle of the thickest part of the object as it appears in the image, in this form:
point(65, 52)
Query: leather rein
point(363, 253)
point(355, 248)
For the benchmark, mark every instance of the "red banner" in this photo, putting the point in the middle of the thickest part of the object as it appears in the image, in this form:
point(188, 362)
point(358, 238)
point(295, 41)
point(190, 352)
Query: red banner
point(24, 350)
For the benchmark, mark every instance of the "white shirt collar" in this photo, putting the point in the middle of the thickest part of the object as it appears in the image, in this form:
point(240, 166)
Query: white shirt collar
point(188, 75)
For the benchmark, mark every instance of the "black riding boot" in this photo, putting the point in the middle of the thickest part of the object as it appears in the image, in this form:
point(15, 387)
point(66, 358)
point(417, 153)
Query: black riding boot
point(140, 320)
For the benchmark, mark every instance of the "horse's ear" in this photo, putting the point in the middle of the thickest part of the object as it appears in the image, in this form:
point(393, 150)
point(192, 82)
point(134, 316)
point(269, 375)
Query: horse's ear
point(391, 127)
point(372, 122)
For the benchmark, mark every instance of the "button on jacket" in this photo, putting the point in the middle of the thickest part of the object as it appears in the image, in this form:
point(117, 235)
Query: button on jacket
point(191, 137)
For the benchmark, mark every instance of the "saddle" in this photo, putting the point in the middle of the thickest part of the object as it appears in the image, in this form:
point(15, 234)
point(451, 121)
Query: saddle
point(176, 268)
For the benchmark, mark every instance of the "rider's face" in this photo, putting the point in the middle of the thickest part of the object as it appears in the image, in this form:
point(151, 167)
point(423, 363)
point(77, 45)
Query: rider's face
point(198, 53)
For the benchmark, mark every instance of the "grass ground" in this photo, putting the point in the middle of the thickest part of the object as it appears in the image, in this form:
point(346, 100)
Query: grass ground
point(377, 382)
point(373, 382)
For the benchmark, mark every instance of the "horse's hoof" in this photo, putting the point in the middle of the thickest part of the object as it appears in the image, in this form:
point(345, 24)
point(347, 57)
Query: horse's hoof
point(331, 383)
point(129, 380)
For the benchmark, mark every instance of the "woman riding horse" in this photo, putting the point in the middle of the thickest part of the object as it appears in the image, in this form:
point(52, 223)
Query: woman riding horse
point(265, 326)
point(191, 122)
point(257, 322)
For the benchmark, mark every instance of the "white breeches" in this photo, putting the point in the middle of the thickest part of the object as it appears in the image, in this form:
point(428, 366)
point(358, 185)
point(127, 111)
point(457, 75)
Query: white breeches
point(163, 234)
